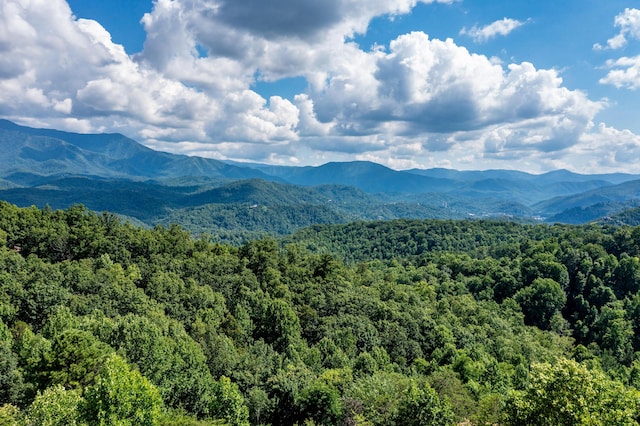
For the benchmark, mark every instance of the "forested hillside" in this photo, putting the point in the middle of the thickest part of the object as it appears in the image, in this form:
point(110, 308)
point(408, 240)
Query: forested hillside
point(370, 323)
point(111, 172)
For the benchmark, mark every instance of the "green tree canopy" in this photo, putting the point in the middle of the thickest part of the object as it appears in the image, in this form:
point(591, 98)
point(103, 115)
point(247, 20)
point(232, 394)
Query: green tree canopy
point(566, 393)
point(122, 396)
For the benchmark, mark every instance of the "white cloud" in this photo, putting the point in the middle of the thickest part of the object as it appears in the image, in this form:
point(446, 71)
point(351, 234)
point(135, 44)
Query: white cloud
point(625, 72)
point(608, 150)
point(309, 124)
point(431, 86)
point(278, 37)
point(69, 67)
point(629, 24)
point(418, 102)
point(498, 28)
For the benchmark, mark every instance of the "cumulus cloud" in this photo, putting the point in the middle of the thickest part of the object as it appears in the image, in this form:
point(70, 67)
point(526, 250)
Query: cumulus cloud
point(629, 24)
point(498, 28)
point(55, 67)
point(418, 102)
point(623, 72)
point(425, 86)
point(607, 149)
point(70, 66)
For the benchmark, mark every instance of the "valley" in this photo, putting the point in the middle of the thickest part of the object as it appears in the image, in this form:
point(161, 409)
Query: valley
point(238, 201)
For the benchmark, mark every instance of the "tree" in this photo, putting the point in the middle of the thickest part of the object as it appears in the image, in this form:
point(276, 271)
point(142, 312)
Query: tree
point(56, 406)
point(376, 397)
point(544, 265)
point(230, 403)
point(11, 382)
point(320, 402)
point(284, 390)
point(615, 332)
point(261, 257)
point(122, 396)
point(258, 402)
point(169, 357)
point(75, 358)
point(10, 415)
point(627, 276)
point(540, 301)
point(280, 326)
point(566, 393)
point(44, 291)
point(421, 406)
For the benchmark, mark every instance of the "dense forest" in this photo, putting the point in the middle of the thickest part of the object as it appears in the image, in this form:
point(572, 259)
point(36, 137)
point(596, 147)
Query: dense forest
point(403, 322)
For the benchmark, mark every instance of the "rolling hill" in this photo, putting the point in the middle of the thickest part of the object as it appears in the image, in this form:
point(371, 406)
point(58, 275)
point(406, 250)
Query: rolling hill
point(30, 154)
point(112, 172)
point(620, 193)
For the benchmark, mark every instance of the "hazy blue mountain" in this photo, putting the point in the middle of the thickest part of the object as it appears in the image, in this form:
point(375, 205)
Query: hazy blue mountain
point(552, 177)
point(590, 213)
point(567, 176)
point(142, 200)
point(31, 153)
point(473, 175)
point(523, 187)
point(620, 193)
point(113, 172)
point(369, 177)
point(511, 185)
point(630, 216)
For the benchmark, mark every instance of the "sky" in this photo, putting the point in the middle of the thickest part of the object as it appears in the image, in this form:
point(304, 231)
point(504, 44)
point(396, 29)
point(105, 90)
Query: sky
point(463, 84)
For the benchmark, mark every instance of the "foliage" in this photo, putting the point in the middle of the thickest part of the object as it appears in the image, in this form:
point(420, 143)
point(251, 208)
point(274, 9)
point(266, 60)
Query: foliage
point(56, 406)
point(540, 301)
point(122, 396)
point(376, 323)
point(230, 403)
point(10, 415)
point(421, 406)
point(567, 393)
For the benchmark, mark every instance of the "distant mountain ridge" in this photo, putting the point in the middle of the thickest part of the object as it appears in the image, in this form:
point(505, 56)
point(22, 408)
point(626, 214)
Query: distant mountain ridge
point(44, 152)
point(113, 172)
point(48, 152)
point(620, 193)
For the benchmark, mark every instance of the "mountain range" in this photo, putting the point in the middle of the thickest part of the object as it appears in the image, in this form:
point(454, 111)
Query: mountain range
point(115, 173)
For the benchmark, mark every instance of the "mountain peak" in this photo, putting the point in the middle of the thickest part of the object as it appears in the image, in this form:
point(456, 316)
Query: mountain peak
point(31, 156)
point(102, 154)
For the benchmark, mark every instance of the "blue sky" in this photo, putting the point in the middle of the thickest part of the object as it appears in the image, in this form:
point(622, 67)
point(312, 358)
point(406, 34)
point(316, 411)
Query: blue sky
point(466, 84)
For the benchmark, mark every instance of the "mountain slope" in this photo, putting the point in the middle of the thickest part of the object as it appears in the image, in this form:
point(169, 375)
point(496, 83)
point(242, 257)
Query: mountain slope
point(42, 152)
point(620, 193)
point(369, 177)
point(505, 185)
point(113, 172)
point(629, 217)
